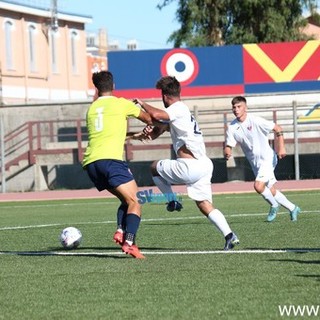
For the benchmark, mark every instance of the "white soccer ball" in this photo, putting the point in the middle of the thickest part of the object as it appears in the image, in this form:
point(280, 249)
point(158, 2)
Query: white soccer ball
point(70, 238)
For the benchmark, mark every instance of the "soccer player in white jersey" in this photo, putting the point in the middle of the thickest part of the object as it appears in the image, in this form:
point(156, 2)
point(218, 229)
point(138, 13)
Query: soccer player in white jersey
point(192, 167)
point(251, 133)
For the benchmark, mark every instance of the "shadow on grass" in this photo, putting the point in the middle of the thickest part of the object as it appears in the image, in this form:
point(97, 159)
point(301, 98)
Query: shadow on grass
point(300, 251)
point(308, 262)
point(73, 253)
point(298, 261)
point(115, 253)
point(316, 277)
point(117, 248)
point(178, 223)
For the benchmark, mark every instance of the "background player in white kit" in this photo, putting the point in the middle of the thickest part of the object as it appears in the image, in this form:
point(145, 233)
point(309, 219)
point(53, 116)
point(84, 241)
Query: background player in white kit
point(192, 167)
point(251, 133)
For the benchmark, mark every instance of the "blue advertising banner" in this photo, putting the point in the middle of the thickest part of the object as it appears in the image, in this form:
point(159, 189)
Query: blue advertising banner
point(217, 71)
point(201, 71)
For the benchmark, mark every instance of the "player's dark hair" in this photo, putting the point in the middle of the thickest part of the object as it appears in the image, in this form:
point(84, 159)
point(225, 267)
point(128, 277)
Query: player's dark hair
point(169, 86)
point(238, 99)
point(103, 81)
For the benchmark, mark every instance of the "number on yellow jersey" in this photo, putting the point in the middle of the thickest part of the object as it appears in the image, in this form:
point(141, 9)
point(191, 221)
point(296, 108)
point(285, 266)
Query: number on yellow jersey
point(98, 122)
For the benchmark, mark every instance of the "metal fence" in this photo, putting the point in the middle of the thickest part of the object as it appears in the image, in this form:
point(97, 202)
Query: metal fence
point(300, 122)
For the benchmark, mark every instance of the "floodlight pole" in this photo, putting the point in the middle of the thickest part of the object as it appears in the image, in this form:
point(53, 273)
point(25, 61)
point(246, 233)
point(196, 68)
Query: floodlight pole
point(3, 167)
point(296, 141)
point(1, 93)
point(54, 15)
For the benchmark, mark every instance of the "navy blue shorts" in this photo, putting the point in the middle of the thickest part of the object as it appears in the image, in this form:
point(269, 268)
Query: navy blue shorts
point(109, 174)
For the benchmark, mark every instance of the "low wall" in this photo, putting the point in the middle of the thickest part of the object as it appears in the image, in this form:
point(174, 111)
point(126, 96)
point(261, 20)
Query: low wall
point(63, 175)
point(74, 177)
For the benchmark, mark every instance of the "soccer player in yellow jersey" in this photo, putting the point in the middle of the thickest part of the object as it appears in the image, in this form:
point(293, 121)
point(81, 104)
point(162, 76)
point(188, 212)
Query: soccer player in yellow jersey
point(103, 159)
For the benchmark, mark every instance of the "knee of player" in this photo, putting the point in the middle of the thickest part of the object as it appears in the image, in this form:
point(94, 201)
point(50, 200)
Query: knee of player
point(259, 187)
point(205, 207)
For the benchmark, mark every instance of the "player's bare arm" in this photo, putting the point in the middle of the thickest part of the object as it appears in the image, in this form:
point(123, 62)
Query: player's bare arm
point(156, 131)
point(279, 142)
point(145, 117)
point(148, 133)
point(136, 136)
point(155, 113)
point(227, 152)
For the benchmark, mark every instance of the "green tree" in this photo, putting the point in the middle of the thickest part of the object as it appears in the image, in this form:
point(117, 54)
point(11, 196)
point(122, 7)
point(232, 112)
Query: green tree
point(264, 21)
point(217, 22)
point(201, 22)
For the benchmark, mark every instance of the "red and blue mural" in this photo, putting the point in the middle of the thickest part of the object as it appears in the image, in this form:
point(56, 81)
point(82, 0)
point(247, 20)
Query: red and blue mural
point(218, 71)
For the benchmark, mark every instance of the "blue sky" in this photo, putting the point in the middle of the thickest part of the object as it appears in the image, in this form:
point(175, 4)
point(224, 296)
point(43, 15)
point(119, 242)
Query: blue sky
point(126, 20)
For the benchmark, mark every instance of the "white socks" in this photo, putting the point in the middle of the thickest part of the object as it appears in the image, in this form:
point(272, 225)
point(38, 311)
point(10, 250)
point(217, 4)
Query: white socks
point(218, 219)
point(164, 187)
point(282, 199)
point(278, 198)
point(267, 195)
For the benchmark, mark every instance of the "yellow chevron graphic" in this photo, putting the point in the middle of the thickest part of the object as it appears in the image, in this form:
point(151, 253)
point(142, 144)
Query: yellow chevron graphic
point(292, 68)
point(313, 115)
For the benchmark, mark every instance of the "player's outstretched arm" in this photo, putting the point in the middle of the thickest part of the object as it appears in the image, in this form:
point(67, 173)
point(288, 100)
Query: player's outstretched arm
point(155, 113)
point(279, 142)
point(156, 131)
point(145, 117)
point(138, 136)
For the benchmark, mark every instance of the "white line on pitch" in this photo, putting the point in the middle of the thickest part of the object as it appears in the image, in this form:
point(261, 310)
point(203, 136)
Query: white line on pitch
point(143, 220)
point(231, 251)
point(99, 201)
point(111, 253)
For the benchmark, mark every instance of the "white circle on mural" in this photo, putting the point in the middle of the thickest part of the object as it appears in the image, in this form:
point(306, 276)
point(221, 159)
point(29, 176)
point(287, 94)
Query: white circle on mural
point(182, 64)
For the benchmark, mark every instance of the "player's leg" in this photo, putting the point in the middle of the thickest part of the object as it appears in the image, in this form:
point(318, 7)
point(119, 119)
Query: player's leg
point(119, 235)
point(98, 172)
point(264, 176)
point(128, 192)
point(115, 176)
point(266, 193)
point(162, 182)
point(214, 215)
point(123, 186)
point(217, 218)
point(201, 193)
point(121, 223)
point(293, 209)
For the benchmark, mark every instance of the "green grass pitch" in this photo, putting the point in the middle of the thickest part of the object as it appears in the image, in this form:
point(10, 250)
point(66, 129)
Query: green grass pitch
point(185, 275)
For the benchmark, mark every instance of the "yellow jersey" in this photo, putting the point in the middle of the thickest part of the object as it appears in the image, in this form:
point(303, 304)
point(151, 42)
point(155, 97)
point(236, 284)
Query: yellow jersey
point(107, 128)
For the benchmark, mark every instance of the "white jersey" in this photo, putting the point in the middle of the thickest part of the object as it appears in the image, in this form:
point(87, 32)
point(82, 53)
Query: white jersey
point(184, 130)
point(252, 136)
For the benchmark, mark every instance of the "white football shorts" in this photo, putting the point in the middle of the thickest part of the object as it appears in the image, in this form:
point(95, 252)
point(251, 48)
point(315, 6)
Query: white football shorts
point(196, 174)
point(265, 173)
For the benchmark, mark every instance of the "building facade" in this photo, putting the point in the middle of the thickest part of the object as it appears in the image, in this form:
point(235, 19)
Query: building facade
point(42, 55)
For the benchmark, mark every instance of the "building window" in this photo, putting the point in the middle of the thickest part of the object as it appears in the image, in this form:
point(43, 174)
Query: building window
point(132, 45)
point(92, 40)
point(74, 39)
point(32, 49)
point(8, 26)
